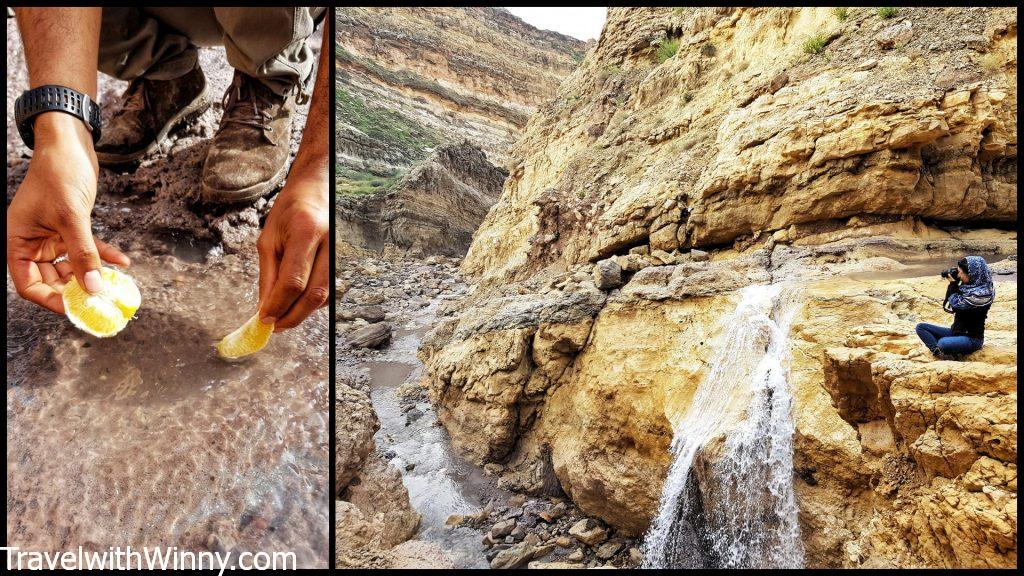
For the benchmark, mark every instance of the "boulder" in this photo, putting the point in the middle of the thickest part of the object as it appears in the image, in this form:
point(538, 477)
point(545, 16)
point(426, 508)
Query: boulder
point(371, 336)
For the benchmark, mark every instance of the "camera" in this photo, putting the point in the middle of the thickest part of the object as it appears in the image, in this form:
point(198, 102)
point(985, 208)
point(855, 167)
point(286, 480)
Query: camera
point(951, 273)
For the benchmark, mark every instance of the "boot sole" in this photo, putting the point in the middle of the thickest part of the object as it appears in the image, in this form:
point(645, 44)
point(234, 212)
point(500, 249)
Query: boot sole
point(212, 195)
point(130, 160)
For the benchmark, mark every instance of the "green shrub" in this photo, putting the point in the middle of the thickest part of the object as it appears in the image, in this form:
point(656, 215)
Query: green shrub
point(612, 70)
point(387, 126)
point(843, 14)
point(815, 44)
point(886, 13)
point(667, 49)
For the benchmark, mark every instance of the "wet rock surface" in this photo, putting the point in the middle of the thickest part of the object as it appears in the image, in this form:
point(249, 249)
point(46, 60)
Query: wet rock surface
point(378, 520)
point(551, 532)
point(552, 396)
point(470, 517)
point(159, 441)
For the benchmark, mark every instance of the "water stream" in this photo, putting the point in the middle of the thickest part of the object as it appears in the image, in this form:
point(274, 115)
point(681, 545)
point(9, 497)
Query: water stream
point(728, 501)
point(439, 482)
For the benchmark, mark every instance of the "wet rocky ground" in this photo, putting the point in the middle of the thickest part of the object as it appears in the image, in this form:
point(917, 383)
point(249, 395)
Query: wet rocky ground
point(148, 438)
point(386, 305)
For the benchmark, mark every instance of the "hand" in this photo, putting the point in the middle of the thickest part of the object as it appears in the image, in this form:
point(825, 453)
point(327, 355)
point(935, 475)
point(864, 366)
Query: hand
point(49, 216)
point(294, 250)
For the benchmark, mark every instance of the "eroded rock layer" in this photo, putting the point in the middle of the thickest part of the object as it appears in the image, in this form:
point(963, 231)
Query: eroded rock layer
point(699, 151)
point(410, 79)
point(433, 210)
point(429, 102)
point(740, 133)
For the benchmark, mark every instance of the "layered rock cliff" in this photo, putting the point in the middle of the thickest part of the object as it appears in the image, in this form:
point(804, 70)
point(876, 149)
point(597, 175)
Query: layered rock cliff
point(850, 155)
point(739, 133)
point(439, 75)
point(434, 209)
point(411, 83)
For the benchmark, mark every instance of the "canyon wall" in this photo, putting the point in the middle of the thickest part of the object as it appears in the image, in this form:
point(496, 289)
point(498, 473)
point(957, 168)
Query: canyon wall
point(417, 85)
point(739, 133)
point(696, 151)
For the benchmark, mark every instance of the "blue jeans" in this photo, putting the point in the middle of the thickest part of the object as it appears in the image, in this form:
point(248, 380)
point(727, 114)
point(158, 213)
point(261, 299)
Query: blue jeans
point(941, 339)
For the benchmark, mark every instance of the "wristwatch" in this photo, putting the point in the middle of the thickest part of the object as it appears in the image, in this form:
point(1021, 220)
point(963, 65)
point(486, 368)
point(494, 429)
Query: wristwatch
point(51, 98)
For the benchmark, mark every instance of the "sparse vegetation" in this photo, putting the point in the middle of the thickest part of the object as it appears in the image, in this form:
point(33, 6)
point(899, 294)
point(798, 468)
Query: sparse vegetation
point(417, 82)
point(687, 96)
point(577, 57)
point(357, 183)
point(667, 49)
point(815, 44)
point(708, 50)
point(886, 13)
point(610, 70)
point(843, 14)
point(382, 124)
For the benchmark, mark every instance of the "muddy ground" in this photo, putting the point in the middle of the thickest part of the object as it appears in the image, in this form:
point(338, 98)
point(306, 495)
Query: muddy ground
point(148, 438)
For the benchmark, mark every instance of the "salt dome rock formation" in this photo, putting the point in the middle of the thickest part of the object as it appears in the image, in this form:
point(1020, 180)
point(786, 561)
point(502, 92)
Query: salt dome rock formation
point(848, 156)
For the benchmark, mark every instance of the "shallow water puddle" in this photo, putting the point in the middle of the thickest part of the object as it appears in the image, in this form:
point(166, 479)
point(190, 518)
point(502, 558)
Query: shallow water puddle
point(149, 438)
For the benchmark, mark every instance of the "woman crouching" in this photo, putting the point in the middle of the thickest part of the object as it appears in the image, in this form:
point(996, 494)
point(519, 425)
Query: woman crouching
point(968, 298)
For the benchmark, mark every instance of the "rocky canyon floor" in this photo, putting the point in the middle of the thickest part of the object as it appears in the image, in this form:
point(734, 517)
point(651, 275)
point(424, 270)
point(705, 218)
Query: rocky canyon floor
point(148, 438)
point(416, 502)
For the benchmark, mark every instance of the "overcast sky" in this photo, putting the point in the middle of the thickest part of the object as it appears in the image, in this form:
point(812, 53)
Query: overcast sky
point(582, 23)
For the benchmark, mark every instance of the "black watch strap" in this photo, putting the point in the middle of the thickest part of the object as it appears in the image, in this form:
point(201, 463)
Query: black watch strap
point(51, 98)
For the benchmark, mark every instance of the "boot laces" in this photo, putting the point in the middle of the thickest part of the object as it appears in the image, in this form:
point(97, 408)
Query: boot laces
point(243, 104)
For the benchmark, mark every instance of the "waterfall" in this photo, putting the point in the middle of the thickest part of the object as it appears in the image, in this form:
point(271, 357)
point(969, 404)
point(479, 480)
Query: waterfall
point(737, 509)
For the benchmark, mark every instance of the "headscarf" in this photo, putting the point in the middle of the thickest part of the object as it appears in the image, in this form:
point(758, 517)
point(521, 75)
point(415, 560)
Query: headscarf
point(979, 291)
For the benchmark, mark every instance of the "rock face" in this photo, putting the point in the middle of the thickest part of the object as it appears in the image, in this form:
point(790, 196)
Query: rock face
point(741, 159)
point(374, 515)
point(428, 99)
point(900, 460)
point(434, 209)
point(741, 134)
point(410, 79)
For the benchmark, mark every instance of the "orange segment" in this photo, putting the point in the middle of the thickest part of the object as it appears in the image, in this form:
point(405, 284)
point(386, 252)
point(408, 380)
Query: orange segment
point(251, 337)
point(106, 313)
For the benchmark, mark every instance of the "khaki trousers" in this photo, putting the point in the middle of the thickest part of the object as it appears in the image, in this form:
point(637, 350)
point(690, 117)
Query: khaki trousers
point(269, 44)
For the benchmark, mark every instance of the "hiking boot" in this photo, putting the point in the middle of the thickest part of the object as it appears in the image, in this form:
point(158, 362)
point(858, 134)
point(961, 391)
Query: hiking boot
point(249, 155)
point(150, 109)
